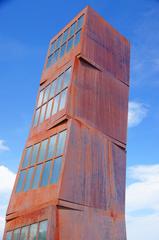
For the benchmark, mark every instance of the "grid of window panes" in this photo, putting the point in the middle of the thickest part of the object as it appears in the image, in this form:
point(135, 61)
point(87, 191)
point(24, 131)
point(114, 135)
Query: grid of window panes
point(42, 163)
point(65, 42)
point(35, 231)
point(52, 98)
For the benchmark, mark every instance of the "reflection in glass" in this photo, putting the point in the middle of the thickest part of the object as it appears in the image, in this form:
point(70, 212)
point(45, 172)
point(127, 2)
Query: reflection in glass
point(34, 153)
point(40, 98)
point(49, 108)
point(77, 38)
point(33, 231)
point(63, 99)
point(46, 173)
point(80, 22)
point(36, 178)
point(9, 235)
point(42, 150)
point(65, 35)
point(52, 91)
point(16, 234)
point(58, 41)
point(59, 83)
point(67, 77)
point(52, 48)
point(69, 44)
point(24, 233)
point(36, 118)
point(56, 102)
point(63, 48)
point(46, 95)
point(56, 170)
point(42, 114)
point(28, 179)
point(42, 230)
point(61, 142)
point(20, 181)
point(72, 29)
point(26, 157)
point(51, 149)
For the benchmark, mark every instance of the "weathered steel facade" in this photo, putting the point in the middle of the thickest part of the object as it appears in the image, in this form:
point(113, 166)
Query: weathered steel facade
point(84, 197)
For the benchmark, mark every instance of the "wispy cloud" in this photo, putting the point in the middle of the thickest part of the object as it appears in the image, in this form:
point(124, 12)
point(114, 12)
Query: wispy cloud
point(137, 112)
point(3, 146)
point(142, 202)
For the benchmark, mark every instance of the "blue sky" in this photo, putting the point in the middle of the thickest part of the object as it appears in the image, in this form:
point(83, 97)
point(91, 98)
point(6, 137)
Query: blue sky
point(26, 28)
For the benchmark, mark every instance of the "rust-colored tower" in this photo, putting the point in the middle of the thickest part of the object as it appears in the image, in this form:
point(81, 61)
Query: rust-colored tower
point(71, 180)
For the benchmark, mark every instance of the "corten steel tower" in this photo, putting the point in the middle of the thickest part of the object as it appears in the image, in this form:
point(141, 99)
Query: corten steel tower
point(71, 180)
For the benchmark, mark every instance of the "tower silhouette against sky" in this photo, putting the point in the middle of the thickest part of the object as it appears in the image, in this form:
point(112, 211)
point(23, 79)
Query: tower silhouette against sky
point(71, 180)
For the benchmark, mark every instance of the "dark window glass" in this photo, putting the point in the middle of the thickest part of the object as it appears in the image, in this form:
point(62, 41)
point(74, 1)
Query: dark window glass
point(52, 145)
point(43, 147)
point(52, 91)
point(72, 28)
point(40, 100)
point(63, 99)
point(28, 179)
point(67, 77)
point(33, 231)
point(49, 108)
point(42, 113)
point(59, 83)
point(52, 48)
point(35, 153)
point(9, 235)
point(26, 157)
point(20, 181)
point(16, 234)
point(46, 94)
point(65, 35)
point(77, 38)
point(42, 230)
point(80, 22)
point(58, 43)
point(61, 142)
point(24, 233)
point(36, 179)
point(46, 173)
point(56, 102)
point(56, 170)
point(69, 44)
point(36, 118)
point(55, 56)
point(62, 51)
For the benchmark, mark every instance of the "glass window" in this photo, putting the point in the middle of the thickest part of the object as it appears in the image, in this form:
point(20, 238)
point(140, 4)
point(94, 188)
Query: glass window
point(36, 118)
point(56, 170)
point(52, 48)
point(42, 153)
point(52, 91)
point(20, 181)
point(28, 179)
point(33, 231)
point(67, 77)
point(36, 178)
point(46, 173)
point(42, 114)
point(35, 153)
point(9, 235)
point(24, 233)
point(63, 99)
point(80, 22)
point(69, 44)
point(65, 35)
point(63, 48)
point(46, 94)
point(59, 83)
point(61, 142)
point(26, 157)
point(42, 230)
point(49, 61)
point(72, 28)
point(58, 43)
point(49, 108)
point(16, 234)
point(56, 102)
point(41, 94)
point(55, 56)
point(77, 38)
point(52, 145)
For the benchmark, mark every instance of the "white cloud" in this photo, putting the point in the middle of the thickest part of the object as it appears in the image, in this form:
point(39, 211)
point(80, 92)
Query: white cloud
point(142, 202)
point(137, 112)
point(7, 179)
point(3, 146)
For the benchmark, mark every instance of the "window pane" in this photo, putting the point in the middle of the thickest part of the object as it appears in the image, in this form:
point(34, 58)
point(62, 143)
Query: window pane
point(49, 61)
point(63, 48)
point(9, 235)
point(61, 142)
point(69, 44)
point(46, 173)
point(42, 230)
point(33, 231)
point(63, 99)
point(55, 56)
point(36, 118)
point(80, 22)
point(58, 43)
point(49, 108)
point(36, 179)
point(40, 98)
point(52, 91)
point(52, 145)
point(77, 38)
point(21, 181)
point(72, 28)
point(42, 153)
point(65, 35)
point(59, 83)
point(56, 170)
point(28, 179)
point(67, 77)
point(16, 234)
point(46, 94)
point(26, 157)
point(52, 48)
point(24, 233)
point(34, 153)
point(56, 102)
point(42, 114)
